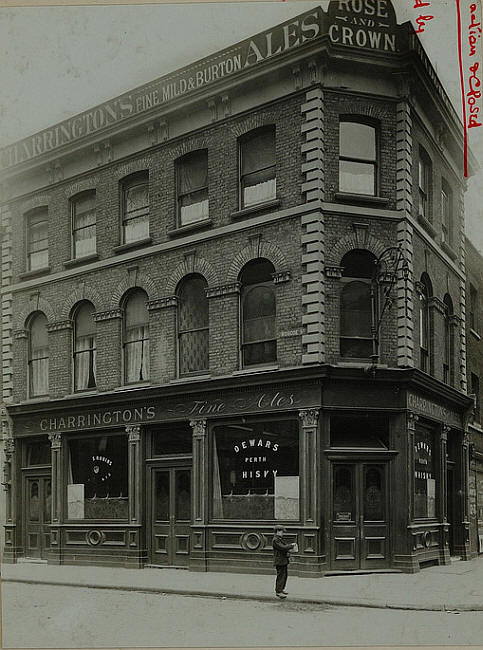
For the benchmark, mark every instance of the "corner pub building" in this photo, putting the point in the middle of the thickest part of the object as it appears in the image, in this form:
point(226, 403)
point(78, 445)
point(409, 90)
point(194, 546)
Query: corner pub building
point(235, 297)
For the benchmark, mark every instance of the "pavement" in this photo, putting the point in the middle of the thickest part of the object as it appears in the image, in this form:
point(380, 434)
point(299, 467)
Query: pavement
point(454, 587)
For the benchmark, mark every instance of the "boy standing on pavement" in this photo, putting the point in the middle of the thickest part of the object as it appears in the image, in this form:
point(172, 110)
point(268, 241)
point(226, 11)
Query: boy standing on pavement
point(280, 560)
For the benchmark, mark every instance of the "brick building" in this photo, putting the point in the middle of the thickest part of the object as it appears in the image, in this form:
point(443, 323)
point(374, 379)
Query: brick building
point(236, 296)
point(474, 324)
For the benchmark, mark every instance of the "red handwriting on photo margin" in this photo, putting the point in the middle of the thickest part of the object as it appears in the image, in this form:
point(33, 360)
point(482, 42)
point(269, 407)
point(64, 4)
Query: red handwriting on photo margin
point(469, 99)
point(421, 20)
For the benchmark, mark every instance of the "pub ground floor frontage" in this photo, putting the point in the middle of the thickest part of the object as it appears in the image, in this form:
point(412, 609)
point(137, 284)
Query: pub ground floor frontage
point(365, 472)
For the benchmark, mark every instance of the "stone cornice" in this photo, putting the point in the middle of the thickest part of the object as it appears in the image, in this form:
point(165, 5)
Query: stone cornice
point(281, 276)
point(59, 326)
point(162, 303)
point(110, 314)
point(223, 290)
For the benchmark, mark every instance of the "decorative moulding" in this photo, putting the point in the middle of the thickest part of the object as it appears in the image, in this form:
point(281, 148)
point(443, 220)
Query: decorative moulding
point(162, 303)
point(223, 290)
point(108, 315)
point(333, 271)
point(59, 326)
point(281, 276)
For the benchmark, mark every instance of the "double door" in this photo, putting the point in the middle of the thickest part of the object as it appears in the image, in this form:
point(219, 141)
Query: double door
point(38, 513)
point(170, 515)
point(359, 538)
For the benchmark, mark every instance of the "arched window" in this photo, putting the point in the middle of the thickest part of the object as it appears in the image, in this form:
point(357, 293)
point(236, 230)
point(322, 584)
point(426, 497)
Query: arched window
point(258, 181)
point(136, 337)
point(258, 314)
point(192, 187)
point(357, 157)
point(84, 347)
point(425, 292)
point(448, 358)
point(193, 325)
point(135, 207)
point(38, 355)
point(356, 311)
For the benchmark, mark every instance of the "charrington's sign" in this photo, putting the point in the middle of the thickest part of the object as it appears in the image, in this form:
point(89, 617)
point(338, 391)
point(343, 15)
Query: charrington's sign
point(365, 24)
point(206, 406)
point(246, 54)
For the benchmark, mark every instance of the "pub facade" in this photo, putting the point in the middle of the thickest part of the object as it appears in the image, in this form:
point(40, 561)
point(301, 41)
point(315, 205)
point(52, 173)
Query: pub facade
point(235, 297)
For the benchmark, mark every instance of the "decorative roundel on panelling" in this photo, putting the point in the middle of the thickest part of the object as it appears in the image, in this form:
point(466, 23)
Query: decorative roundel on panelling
point(253, 541)
point(95, 537)
point(427, 539)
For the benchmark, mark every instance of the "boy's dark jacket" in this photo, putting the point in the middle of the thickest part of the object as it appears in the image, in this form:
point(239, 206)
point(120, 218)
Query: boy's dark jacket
point(280, 551)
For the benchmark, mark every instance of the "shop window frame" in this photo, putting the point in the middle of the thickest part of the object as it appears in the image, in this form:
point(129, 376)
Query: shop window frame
point(211, 455)
point(64, 499)
point(435, 453)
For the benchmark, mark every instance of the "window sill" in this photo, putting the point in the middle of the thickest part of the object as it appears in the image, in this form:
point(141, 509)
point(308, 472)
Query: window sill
point(348, 197)
point(253, 209)
point(450, 252)
point(81, 393)
point(81, 260)
point(428, 227)
point(36, 400)
point(197, 225)
point(182, 380)
point(255, 369)
point(475, 334)
point(33, 274)
point(132, 244)
point(128, 387)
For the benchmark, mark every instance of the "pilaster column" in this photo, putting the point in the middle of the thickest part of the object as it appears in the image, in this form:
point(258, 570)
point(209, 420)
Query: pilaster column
point(445, 429)
point(199, 492)
point(134, 473)
point(309, 419)
point(412, 418)
point(56, 454)
point(200, 471)
point(9, 485)
point(443, 496)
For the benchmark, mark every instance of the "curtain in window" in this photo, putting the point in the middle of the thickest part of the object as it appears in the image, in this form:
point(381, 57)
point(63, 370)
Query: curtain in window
point(38, 241)
point(193, 187)
point(136, 211)
point(84, 214)
point(357, 164)
point(39, 356)
point(258, 167)
point(136, 343)
point(84, 348)
point(193, 325)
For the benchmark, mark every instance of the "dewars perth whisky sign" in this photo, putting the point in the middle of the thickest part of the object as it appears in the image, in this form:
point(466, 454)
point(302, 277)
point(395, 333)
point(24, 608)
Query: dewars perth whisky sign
point(362, 24)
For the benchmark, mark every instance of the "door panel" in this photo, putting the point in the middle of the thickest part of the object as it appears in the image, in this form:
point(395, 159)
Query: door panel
point(38, 500)
point(359, 516)
point(171, 516)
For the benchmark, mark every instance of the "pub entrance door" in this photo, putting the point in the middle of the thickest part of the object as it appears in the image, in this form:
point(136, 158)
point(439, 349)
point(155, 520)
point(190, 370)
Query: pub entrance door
point(170, 515)
point(38, 511)
point(360, 535)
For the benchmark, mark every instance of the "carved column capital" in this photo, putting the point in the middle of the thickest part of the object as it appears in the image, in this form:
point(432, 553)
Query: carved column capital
point(309, 417)
point(199, 428)
point(8, 448)
point(55, 439)
point(445, 429)
point(134, 432)
point(412, 419)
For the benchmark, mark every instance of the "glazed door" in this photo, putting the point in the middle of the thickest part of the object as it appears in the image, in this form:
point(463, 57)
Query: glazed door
point(171, 516)
point(359, 516)
point(38, 504)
